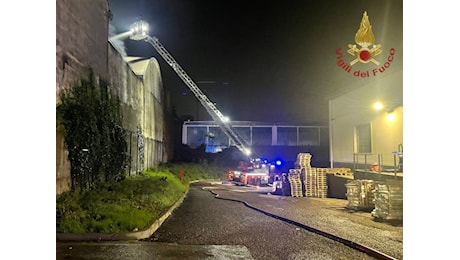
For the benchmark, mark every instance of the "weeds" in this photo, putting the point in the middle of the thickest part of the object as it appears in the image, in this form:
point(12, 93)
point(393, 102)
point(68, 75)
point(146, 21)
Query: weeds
point(133, 203)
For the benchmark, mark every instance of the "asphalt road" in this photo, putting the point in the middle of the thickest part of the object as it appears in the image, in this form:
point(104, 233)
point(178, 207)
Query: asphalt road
point(204, 227)
point(205, 220)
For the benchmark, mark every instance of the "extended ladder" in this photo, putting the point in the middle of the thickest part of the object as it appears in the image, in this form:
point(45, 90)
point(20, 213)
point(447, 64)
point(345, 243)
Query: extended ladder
point(216, 115)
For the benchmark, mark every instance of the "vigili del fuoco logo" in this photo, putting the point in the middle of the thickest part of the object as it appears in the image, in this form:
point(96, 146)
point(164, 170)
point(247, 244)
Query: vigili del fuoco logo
point(365, 51)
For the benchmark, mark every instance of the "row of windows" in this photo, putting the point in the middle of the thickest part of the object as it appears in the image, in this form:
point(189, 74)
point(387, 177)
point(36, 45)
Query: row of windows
point(286, 136)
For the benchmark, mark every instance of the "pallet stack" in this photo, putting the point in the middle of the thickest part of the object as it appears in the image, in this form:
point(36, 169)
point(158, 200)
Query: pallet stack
point(310, 182)
point(316, 182)
point(360, 194)
point(321, 183)
point(295, 182)
point(303, 160)
point(388, 199)
point(342, 172)
point(314, 179)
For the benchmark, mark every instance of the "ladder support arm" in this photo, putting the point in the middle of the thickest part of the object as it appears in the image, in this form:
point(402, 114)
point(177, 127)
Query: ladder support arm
point(210, 107)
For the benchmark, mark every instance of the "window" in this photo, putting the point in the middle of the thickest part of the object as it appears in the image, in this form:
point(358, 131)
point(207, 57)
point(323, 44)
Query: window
point(196, 136)
point(287, 136)
point(261, 136)
point(244, 132)
point(308, 136)
point(217, 137)
point(363, 138)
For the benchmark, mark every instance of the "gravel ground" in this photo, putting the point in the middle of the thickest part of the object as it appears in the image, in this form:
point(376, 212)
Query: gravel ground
point(205, 220)
point(328, 215)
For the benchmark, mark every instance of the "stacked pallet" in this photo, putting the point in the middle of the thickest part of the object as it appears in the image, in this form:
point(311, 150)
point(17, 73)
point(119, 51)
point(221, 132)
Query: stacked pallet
point(295, 182)
point(342, 172)
point(310, 182)
point(321, 183)
point(360, 194)
point(303, 160)
point(388, 199)
point(307, 182)
point(314, 179)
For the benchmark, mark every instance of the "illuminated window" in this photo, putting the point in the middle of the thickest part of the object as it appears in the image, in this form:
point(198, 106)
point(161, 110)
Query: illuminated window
point(196, 136)
point(218, 137)
point(363, 138)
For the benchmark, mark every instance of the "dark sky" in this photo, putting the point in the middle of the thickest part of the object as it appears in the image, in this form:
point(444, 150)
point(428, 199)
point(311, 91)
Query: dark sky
point(270, 61)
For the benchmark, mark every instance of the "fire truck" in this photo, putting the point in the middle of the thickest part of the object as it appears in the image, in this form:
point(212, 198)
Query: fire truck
point(254, 172)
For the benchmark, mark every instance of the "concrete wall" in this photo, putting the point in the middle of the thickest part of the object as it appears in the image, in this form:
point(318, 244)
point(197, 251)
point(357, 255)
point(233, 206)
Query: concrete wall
point(81, 41)
point(81, 38)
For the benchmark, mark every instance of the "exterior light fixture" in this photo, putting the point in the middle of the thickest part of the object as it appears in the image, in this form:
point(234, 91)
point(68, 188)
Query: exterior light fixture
point(391, 116)
point(378, 106)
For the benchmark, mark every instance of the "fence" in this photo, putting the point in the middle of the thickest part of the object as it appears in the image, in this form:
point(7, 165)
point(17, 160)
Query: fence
point(371, 164)
point(145, 153)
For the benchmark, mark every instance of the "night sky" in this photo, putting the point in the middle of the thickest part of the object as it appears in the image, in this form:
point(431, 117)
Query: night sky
point(272, 61)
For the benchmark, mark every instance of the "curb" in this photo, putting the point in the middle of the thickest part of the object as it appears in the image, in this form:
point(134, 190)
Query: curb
point(138, 235)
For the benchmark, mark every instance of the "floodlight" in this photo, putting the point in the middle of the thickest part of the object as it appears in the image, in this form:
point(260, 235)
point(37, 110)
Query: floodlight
point(247, 152)
point(139, 30)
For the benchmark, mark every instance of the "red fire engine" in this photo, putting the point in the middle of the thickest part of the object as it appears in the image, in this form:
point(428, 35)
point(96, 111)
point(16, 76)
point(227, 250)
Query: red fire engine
point(254, 172)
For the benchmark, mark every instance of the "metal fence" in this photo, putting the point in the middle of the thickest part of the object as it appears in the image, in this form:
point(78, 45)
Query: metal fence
point(388, 165)
point(145, 153)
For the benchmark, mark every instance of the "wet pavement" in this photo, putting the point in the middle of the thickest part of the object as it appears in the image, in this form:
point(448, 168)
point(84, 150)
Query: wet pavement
point(215, 232)
point(147, 250)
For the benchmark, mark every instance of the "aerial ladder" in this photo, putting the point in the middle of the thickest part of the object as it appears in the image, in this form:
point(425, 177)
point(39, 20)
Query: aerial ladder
point(139, 32)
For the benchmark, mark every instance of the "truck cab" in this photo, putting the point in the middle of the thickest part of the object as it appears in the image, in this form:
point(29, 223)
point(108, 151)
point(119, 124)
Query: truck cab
point(254, 172)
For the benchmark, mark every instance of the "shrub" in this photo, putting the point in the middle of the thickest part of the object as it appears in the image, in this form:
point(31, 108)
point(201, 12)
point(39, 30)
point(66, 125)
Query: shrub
point(95, 138)
point(132, 203)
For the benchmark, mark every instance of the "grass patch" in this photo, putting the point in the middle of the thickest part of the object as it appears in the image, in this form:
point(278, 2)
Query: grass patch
point(131, 204)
